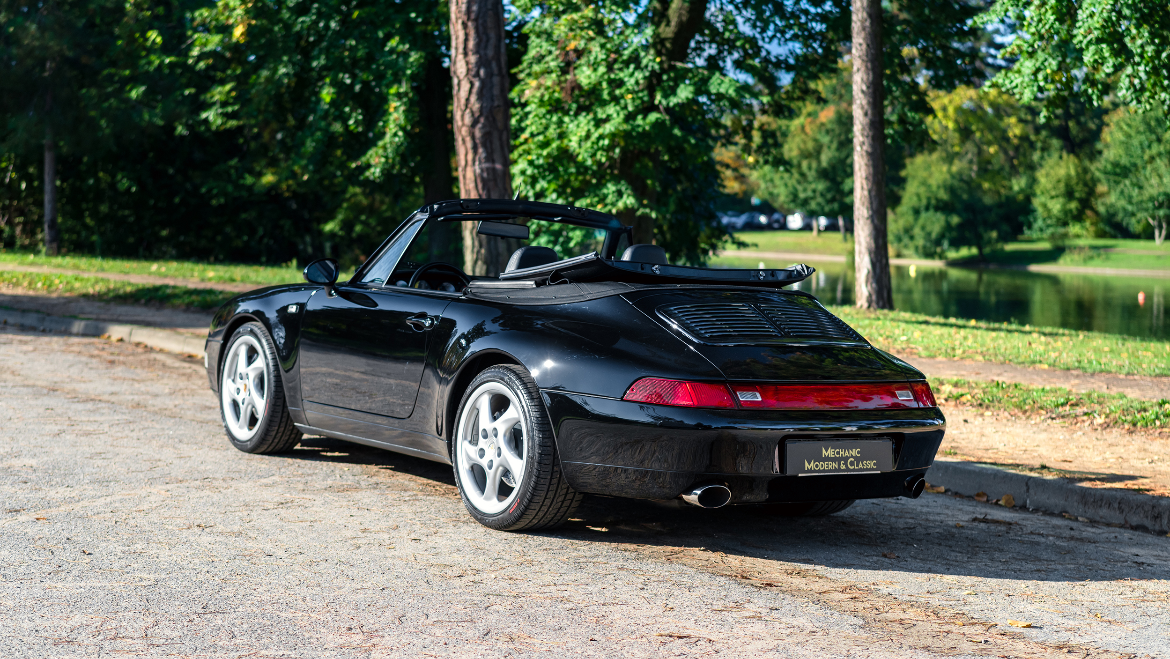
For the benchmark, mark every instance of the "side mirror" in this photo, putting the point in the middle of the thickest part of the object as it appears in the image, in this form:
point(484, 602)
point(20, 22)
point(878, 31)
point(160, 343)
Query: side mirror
point(323, 272)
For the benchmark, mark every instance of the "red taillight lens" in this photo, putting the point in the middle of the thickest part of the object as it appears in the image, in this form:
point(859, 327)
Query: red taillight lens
point(679, 393)
point(885, 396)
point(923, 394)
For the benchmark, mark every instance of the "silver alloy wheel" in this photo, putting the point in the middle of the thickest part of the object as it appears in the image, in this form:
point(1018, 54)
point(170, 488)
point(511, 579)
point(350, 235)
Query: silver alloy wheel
point(490, 448)
point(243, 389)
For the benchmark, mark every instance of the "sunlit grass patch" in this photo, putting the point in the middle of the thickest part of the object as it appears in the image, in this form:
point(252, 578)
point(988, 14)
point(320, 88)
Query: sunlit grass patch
point(261, 275)
point(107, 290)
point(1055, 403)
point(903, 333)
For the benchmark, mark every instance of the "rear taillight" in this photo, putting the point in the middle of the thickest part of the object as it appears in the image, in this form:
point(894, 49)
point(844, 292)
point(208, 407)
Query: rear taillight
point(679, 393)
point(885, 396)
point(923, 394)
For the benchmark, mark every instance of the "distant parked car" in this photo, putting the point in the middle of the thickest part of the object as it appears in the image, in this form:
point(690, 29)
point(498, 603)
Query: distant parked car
point(798, 222)
point(744, 221)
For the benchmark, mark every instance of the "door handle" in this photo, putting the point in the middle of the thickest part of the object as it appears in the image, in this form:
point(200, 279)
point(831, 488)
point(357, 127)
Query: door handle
point(422, 322)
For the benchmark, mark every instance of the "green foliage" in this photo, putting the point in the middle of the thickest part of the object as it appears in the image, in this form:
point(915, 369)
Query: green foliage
point(601, 121)
point(814, 173)
point(1062, 50)
point(1135, 168)
point(969, 191)
point(1064, 198)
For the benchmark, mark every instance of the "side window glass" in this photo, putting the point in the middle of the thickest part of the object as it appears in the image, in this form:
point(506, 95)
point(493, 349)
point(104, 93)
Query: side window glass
point(378, 273)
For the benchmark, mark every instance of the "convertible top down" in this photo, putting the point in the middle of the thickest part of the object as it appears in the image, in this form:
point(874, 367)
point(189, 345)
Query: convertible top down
point(605, 371)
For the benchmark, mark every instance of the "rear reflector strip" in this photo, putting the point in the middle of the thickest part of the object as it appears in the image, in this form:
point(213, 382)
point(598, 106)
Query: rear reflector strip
point(886, 396)
point(870, 396)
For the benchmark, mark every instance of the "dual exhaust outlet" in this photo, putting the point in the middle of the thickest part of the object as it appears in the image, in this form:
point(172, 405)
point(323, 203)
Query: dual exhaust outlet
point(717, 496)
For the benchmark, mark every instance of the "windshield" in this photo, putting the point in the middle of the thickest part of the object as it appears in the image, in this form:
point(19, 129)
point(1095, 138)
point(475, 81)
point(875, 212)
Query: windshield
point(431, 241)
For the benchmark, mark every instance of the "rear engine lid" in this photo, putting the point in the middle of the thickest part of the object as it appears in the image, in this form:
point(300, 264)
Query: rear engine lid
point(770, 335)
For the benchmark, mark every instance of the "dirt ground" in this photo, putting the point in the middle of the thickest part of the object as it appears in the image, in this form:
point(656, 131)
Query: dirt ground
point(130, 526)
point(1128, 459)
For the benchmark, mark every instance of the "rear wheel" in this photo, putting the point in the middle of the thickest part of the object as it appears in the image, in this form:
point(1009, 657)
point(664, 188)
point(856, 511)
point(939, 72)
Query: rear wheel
point(805, 508)
point(251, 394)
point(505, 459)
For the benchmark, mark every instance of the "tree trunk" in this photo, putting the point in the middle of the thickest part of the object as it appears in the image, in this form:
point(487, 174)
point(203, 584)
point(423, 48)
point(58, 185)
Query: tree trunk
point(52, 236)
point(435, 137)
point(871, 251)
point(479, 73)
point(1160, 227)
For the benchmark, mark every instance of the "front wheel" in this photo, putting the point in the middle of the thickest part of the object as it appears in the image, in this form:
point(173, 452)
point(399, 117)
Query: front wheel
point(251, 395)
point(505, 459)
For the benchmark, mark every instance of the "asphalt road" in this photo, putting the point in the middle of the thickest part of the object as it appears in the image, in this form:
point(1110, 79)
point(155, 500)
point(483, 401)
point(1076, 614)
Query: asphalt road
point(128, 525)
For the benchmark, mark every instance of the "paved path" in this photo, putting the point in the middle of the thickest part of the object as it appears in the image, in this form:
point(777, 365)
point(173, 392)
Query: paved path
point(129, 525)
point(185, 320)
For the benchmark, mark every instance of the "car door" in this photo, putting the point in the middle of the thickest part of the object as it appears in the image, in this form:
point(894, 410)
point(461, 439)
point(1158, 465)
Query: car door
point(362, 353)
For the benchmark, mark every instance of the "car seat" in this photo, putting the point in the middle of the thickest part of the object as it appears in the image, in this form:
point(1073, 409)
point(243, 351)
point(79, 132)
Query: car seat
point(645, 254)
point(530, 257)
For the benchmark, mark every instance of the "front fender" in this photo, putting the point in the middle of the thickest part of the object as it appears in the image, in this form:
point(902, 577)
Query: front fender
point(271, 308)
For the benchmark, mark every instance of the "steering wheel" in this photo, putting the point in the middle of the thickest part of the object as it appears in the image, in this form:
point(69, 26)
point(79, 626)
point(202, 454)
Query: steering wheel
point(434, 265)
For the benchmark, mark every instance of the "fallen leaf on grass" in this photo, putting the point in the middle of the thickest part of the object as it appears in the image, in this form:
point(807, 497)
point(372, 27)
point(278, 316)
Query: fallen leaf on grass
point(889, 554)
point(1019, 623)
point(981, 497)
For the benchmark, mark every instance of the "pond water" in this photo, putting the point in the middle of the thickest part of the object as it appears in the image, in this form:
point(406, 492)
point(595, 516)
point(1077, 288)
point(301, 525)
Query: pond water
point(1119, 305)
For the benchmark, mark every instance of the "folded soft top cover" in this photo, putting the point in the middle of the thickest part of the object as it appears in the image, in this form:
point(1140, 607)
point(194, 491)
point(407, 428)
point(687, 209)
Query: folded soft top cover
point(593, 268)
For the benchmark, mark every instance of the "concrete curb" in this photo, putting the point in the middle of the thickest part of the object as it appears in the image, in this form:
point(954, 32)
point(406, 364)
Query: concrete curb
point(1054, 495)
point(153, 337)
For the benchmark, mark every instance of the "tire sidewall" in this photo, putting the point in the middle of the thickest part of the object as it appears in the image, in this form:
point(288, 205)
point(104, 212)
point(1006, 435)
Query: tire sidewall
point(256, 331)
point(533, 412)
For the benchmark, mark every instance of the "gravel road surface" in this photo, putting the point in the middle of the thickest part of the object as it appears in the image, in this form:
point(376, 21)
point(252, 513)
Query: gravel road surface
point(129, 526)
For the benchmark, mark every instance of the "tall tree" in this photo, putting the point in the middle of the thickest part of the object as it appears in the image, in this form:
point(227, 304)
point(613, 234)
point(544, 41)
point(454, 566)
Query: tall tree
point(481, 116)
point(871, 253)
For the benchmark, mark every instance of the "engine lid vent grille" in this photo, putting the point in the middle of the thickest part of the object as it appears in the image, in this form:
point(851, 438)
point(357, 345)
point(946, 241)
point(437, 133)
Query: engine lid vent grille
point(805, 319)
point(771, 320)
point(721, 321)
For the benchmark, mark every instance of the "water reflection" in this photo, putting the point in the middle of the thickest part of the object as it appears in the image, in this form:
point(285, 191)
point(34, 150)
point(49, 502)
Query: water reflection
point(1083, 302)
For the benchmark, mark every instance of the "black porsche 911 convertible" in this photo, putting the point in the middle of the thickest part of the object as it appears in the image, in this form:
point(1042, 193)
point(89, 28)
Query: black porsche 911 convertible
point(608, 371)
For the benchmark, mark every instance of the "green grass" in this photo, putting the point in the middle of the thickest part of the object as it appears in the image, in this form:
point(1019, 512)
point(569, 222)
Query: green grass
point(1091, 253)
point(801, 242)
point(107, 290)
point(1056, 403)
point(900, 332)
point(209, 272)
point(1086, 252)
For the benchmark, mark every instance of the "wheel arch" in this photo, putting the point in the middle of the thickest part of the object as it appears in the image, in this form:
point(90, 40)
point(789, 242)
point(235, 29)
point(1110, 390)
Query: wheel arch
point(229, 330)
point(472, 367)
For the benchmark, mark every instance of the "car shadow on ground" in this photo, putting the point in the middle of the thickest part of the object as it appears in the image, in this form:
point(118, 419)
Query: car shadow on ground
point(934, 535)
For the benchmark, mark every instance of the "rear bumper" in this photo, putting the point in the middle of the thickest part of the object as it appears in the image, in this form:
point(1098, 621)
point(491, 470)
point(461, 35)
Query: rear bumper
point(626, 449)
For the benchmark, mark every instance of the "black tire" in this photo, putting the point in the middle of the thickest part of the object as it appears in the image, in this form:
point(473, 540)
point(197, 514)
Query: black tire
point(542, 498)
point(273, 430)
point(804, 508)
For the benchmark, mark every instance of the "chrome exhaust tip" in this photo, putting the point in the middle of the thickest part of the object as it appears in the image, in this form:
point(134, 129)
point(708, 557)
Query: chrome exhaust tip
point(914, 486)
point(708, 496)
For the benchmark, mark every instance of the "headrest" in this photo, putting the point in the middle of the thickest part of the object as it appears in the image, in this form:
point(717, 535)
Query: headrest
point(645, 254)
point(530, 257)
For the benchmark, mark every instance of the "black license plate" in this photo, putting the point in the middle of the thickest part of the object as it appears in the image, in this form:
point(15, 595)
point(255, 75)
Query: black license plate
point(847, 456)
